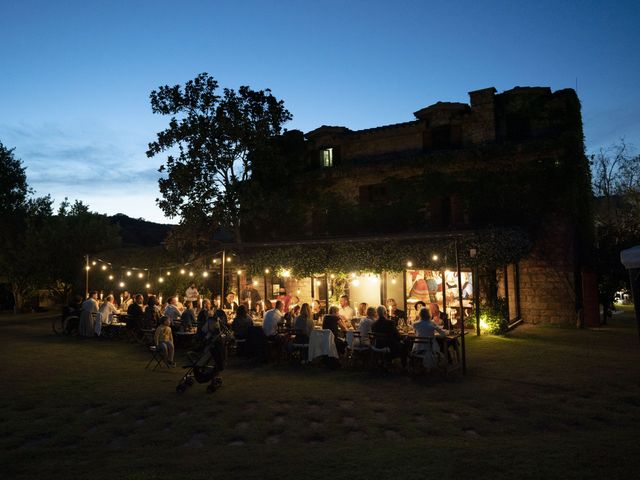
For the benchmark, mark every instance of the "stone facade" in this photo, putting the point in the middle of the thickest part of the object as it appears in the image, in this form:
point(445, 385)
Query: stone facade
point(512, 159)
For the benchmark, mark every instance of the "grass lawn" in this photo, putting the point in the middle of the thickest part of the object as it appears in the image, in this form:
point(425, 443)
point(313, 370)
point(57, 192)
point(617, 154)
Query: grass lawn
point(542, 402)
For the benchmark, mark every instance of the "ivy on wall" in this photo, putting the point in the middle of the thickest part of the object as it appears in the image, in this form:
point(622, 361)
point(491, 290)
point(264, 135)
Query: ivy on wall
point(493, 247)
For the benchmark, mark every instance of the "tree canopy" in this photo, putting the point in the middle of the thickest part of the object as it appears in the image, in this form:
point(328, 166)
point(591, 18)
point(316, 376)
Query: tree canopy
point(212, 139)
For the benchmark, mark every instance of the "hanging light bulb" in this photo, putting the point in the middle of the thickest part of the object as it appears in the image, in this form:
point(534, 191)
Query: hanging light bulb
point(148, 285)
point(332, 276)
point(191, 274)
point(393, 280)
point(434, 257)
point(121, 284)
point(239, 272)
point(286, 273)
point(356, 283)
point(160, 279)
point(353, 275)
point(255, 283)
point(128, 273)
point(110, 277)
point(140, 275)
point(104, 267)
point(168, 274)
point(266, 270)
point(182, 271)
point(205, 274)
point(87, 268)
point(228, 259)
point(93, 263)
point(409, 264)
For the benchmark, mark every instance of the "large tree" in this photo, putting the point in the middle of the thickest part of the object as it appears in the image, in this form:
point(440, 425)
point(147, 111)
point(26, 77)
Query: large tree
point(212, 139)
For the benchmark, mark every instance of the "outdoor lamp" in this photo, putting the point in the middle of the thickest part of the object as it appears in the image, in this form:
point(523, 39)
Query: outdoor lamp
point(160, 279)
point(128, 273)
point(205, 274)
point(409, 264)
point(104, 267)
point(140, 275)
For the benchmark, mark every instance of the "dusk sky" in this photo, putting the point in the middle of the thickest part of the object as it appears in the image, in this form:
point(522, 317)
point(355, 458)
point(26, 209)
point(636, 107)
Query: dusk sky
point(76, 75)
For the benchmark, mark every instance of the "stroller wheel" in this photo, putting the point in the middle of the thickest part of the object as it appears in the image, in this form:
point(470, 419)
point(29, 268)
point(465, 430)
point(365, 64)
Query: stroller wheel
point(217, 381)
point(188, 381)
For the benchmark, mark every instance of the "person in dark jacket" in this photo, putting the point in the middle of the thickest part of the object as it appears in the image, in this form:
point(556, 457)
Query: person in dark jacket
point(384, 326)
point(333, 322)
point(135, 314)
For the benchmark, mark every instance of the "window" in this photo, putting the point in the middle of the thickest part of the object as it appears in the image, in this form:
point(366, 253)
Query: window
point(327, 157)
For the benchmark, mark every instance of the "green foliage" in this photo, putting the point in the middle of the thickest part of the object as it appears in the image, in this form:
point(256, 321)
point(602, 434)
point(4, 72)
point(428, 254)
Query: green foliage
point(495, 247)
point(494, 318)
point(13, 183)
point(217, 136)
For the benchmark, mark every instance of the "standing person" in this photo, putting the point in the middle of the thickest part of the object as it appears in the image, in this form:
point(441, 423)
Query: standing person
point(87, 322)
point(163, 339)
point(172, 312)
point(272, 318)
point(345, 312)
point(284, 298)
point(192, 295)
point(188, 316)
point(250, 294)
point(126, 302)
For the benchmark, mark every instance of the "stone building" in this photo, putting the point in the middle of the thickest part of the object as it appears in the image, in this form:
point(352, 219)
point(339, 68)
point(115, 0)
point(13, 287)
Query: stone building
point(506, 161)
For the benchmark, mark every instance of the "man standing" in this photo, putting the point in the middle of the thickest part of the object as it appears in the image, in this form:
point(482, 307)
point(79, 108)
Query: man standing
point(192, 295)
point(398, 316)
point(87, 322)
point(250, 297)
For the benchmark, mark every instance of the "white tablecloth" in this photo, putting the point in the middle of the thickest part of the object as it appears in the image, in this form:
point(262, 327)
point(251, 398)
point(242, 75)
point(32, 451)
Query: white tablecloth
point(321, 342)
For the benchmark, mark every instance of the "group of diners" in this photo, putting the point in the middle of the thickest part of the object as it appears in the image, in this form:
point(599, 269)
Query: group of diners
point(382, 323)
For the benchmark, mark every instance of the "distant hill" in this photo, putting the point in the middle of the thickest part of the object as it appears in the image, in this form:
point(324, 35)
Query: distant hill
point(136, 231)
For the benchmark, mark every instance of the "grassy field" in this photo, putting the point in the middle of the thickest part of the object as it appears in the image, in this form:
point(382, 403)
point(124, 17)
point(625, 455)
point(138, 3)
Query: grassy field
point(542, 402)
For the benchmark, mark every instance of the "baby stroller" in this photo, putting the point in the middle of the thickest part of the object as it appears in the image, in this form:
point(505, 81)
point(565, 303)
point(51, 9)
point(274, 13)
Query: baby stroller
point(204, 366)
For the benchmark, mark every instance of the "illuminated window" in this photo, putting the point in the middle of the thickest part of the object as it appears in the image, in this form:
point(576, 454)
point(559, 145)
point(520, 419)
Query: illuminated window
point(327, 157)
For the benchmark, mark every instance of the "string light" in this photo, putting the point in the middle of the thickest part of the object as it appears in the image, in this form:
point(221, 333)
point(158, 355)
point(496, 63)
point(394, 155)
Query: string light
point(140, 275)
point(93, 263)
point(215, 260)
point(409, 264)
point(255, 283)
point(160, 279)
point(87, 268)
point(355, 283)
point(353, 275)
point(333, 276)
point(191, 274)
point(104, 267)
point(182, 271)
point(205, 274)
point(148, 285)
point(128, 273)
point(434, 257)
point(393, 280)
point(239, 272)
point(110, 277)
point(266, 270)
point(298, 291)
point(286, 273)
point(168, 274)
point(228, 259)
point(121, 284)
point(318, 282)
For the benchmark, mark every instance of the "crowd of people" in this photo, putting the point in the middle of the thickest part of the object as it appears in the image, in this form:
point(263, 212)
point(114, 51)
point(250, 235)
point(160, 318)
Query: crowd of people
point(279, 320)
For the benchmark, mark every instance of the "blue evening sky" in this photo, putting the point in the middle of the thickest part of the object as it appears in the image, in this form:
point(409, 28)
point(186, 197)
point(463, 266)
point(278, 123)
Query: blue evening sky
point(76, 75)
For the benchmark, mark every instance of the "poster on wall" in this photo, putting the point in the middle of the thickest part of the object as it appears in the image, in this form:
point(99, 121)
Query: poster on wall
point(427, 286)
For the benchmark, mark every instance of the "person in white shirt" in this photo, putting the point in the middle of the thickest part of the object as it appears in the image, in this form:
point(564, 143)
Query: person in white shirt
point(107, 310)
point(192, 295)
point(126, 301)
point(346, 313)
point(425, 327)
point(365, 326)
point(272, 318)
point(89, 307)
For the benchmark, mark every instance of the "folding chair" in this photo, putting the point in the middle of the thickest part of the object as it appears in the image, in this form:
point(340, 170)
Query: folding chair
point(357, 350)
point(299, 351)
point(380, 355)
point(156, 356)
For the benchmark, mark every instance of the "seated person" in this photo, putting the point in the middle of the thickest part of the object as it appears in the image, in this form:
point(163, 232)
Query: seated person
point(241, 323)
point(291, 315)
point(171, 311)
point(188, 316)
point(425, 327)
point(317, 312)
point(438, 317)
point(135, 314)
point(386, 327)
point(362, 310)
point(230, 302)
point(163, 339)
point(398, 316)
point(364, 328)
point(304, 324)
point(271, 320)
point(152, 313)
point(332, 321)
point(108, 309)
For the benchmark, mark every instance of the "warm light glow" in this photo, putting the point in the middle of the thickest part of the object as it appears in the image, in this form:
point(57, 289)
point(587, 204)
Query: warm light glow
point(266, 270)
point(353, 275)
point(168, 274)
point(228, 259)
point(255, 282)
point(182, 271)
point(121, 284)
point(318, 282)
point(409, 264)
point(104, 267)
point(160, 279)
point(110, 277)
point(373, 279)
point(435, 257)
point(140, 275)
point(393, 280)
point(148, 285)
point(205, 274)
point(191, 274)
point(332, 276)
point(355, 283)
point(215, 260)
point(128, 273)
point(93, 263)
point(286, 273)
point(87, 268)
point(483, 325)
point(239, 272)
point(298, 291)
